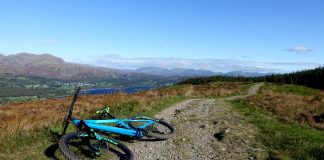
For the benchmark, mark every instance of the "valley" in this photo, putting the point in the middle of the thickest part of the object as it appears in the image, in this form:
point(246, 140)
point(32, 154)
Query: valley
point(162, 80)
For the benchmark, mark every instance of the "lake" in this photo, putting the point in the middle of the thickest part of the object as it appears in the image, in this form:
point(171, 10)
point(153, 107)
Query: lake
point(115, 90)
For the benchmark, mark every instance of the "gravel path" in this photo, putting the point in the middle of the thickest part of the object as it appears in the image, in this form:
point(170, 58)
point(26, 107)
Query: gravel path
point(205, 129)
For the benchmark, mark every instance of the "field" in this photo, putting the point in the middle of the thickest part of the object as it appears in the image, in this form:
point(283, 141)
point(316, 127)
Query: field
point(287, 119)
point(291, 103)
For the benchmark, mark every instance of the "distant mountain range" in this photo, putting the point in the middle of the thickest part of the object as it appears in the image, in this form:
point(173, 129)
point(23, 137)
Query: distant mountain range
point(48, 66)
point(183, 72)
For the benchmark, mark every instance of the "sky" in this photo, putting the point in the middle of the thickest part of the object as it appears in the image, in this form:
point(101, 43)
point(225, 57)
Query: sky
point(256, 35)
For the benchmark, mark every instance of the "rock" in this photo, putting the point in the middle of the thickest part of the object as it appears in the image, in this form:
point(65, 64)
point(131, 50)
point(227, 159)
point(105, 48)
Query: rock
point(194, 147)
point(220, 135)
point(183, 139)
point(243, 141)
point(177, 111)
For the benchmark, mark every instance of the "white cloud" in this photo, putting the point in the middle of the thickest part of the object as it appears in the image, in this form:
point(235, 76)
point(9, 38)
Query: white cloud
point(299, 49)
point(216, 65)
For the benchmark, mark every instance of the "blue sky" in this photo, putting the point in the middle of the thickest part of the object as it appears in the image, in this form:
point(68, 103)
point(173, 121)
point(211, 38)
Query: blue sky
point(289, 32)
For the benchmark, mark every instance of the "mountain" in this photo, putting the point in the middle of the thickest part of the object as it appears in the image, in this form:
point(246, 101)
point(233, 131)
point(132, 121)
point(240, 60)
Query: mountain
point(182, 72)
point(52, 67)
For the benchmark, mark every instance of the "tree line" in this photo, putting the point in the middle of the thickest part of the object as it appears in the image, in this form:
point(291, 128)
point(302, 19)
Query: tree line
point(313, 78)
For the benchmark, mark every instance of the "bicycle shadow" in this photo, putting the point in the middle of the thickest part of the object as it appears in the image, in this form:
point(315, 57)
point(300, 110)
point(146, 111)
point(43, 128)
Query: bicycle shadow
point(52, 150)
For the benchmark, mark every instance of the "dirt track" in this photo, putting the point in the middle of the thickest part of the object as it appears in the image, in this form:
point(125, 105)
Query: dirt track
point(200, 123)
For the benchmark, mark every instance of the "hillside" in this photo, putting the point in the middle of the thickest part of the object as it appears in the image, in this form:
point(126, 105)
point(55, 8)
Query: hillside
point(37, 123)
point(258, 125)
point(26, 76)
point(48, 66)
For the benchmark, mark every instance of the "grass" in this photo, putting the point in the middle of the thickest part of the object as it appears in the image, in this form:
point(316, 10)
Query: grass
point(30, 145)
point(293, 89)
point(17, 99)
point(34, 144)
point(31, 129)
point(291, 103)
point(284, 140)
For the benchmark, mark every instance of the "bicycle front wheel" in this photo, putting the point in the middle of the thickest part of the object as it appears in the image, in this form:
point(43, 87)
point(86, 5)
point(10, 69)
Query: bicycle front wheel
point(78, 145)
point(159, 129)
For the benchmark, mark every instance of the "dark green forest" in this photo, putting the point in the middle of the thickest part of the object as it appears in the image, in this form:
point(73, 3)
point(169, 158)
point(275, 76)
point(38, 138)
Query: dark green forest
point(313, 78)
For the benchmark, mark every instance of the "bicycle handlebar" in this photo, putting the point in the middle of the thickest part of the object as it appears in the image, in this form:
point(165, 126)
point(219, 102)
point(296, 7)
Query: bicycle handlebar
point(75, 97)
point(105, 113)
point(76, 94)
point(69, 110)
point(106, 110)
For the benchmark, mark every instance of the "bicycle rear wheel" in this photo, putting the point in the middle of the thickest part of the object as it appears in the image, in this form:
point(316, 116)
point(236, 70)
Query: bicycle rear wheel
point(78, 145)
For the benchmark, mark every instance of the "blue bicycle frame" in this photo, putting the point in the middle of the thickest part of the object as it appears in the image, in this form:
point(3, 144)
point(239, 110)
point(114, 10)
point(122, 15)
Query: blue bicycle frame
point(122, 127)
point(126, 130)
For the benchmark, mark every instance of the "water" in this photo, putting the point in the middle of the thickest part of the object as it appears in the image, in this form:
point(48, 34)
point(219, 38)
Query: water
point(115, 90)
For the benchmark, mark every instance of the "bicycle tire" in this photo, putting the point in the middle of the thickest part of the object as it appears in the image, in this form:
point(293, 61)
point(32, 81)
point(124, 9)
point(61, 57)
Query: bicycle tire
point(159, 135)
point(153, 131)
point(66, 144)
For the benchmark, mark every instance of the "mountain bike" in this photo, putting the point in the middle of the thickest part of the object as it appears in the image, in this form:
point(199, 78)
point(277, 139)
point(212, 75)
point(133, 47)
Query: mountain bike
point(137, 127)
point(87, 143)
